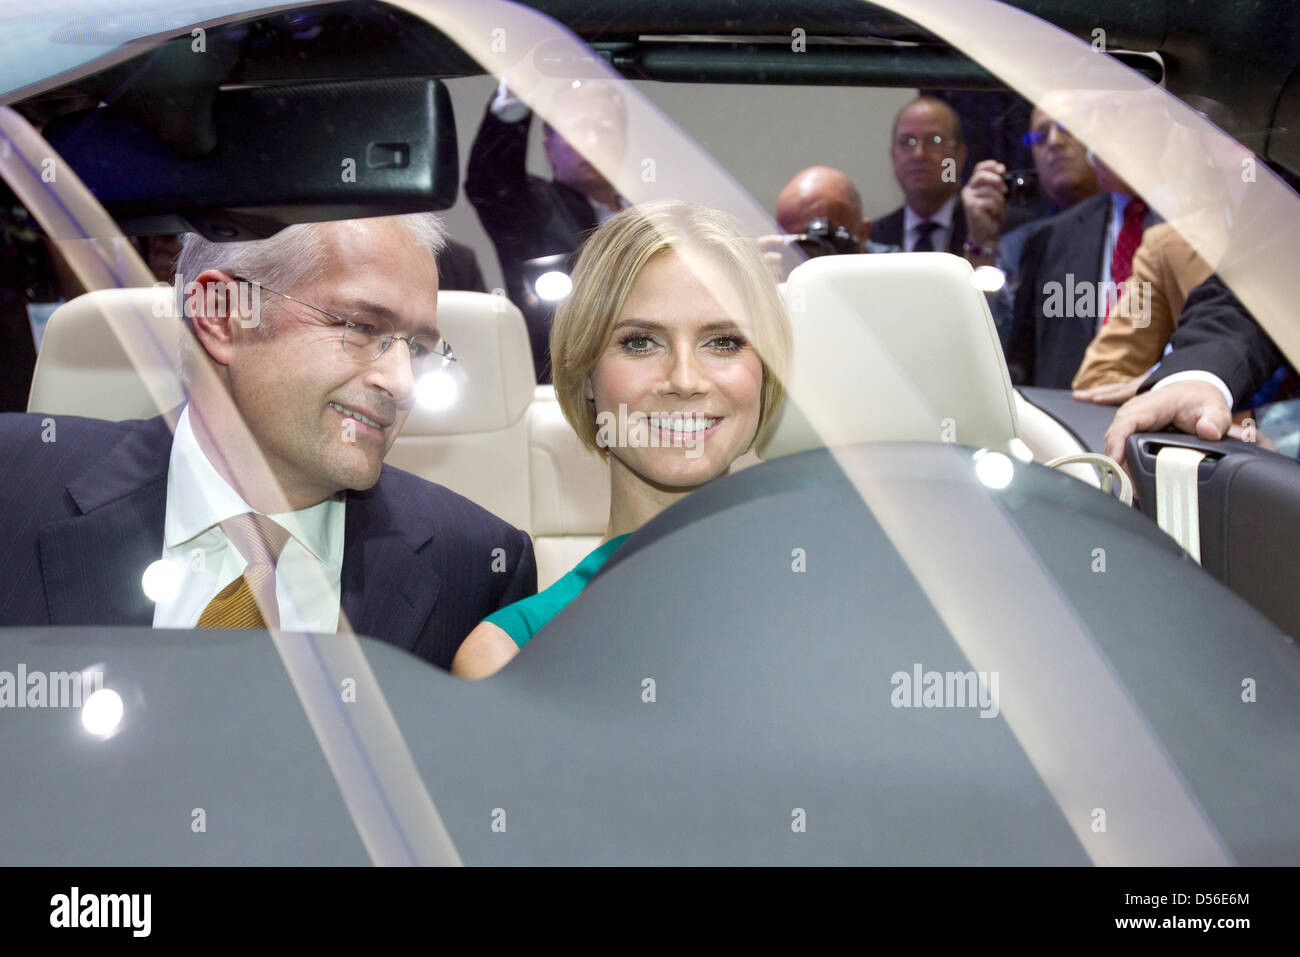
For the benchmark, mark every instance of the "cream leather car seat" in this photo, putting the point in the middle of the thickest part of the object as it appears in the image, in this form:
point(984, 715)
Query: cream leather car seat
point(570, 490)
point(111, 354)
point(902, 347)
point(476, 441)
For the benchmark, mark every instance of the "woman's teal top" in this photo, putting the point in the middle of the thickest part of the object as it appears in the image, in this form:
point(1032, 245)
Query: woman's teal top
point(528, 616)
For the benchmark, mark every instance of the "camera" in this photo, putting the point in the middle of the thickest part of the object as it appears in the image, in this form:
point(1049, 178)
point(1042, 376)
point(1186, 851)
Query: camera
point(1022, 186)
point(820, 238)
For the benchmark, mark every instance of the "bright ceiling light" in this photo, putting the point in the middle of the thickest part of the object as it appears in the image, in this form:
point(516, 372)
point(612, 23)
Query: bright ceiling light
point(553, 286)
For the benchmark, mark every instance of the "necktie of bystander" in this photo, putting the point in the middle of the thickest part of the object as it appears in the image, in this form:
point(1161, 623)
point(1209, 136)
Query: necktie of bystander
point(1126, 245)
point(925, 237)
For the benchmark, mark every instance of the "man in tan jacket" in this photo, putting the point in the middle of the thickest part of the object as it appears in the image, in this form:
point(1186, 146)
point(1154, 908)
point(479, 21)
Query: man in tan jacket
point(1165, 269)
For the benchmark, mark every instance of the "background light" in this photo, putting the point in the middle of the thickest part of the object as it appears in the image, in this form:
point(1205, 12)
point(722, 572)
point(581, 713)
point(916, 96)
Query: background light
point(988, 278)
point(101, 713)
point(994, 469)
point(553, 286)
point(437, 390)
point(161, 581)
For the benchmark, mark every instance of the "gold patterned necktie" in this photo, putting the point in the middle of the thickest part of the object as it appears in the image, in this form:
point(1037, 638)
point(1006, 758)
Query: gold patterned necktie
point(260, 541)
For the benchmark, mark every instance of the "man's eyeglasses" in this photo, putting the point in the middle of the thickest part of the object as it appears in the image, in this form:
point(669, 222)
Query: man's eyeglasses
point(930, 144)
point(368, 338)
point(1040, 134)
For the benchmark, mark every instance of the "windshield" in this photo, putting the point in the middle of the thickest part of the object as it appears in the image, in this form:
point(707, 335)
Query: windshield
point(698, 120)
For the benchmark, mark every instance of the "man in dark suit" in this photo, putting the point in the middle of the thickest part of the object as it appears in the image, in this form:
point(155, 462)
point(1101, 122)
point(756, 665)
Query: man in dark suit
point(531, 218)
point(928, 151)
point(1069, 267)
point(1220, 357)
point(270, 505)
point(1065, 178)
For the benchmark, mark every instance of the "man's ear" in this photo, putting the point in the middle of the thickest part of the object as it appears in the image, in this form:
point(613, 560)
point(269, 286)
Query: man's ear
point(212, 305)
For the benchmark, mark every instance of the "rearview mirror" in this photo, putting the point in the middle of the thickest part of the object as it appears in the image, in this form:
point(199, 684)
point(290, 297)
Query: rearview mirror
point(284, 155)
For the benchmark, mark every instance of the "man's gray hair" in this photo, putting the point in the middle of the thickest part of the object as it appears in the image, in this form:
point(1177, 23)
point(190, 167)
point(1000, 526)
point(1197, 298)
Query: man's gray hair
point(296, 254)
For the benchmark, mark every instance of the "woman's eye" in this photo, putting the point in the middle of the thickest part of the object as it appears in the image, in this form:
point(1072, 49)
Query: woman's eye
point(636, 343)
point(728, 343)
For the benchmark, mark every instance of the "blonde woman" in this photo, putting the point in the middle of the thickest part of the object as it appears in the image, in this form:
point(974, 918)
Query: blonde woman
point(667, 360)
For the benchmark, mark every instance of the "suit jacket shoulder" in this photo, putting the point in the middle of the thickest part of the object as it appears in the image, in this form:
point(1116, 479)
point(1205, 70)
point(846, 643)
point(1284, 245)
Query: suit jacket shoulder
point(84, 503)
point(423, 565)
point(888, 230)
point(1217, 334)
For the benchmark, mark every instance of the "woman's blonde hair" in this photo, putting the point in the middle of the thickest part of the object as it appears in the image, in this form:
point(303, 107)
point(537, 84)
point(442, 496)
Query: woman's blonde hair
point(610, 262)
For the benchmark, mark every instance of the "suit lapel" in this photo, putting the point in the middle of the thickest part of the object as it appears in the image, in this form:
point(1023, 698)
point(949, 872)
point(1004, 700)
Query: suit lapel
point(889, 230)
point(1091, 229)
point(957, 240)
point(92, 563)
point(388, 587)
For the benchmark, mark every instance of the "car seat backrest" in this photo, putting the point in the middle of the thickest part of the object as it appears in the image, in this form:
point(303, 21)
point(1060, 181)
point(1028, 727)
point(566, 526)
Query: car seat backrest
point(112, 354)
point(475, 441)
point(894, 347)
point(570, 490)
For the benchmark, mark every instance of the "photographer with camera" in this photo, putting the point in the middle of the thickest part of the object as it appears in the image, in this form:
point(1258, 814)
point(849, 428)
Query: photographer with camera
point(820, 213)
point(928, 151)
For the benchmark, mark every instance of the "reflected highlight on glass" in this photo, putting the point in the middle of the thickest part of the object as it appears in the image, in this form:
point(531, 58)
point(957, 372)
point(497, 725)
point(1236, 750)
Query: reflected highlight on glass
point(161, 580)
point(102, 712)
point(994, 469)
point(437, 390)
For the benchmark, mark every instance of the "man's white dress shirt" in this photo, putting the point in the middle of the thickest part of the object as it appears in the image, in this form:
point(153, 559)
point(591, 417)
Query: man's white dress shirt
point(198, 500)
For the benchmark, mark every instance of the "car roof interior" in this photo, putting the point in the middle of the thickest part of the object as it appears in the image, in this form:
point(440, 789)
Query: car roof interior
point(1236, 63)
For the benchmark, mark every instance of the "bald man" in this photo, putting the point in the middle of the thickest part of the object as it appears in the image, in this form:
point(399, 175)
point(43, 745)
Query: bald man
point(928, 151)
point(822, 192)
point(819, 192)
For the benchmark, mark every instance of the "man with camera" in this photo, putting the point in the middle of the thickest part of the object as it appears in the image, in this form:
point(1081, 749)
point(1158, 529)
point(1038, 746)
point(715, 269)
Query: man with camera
point(820, 213)
point(928, 152)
